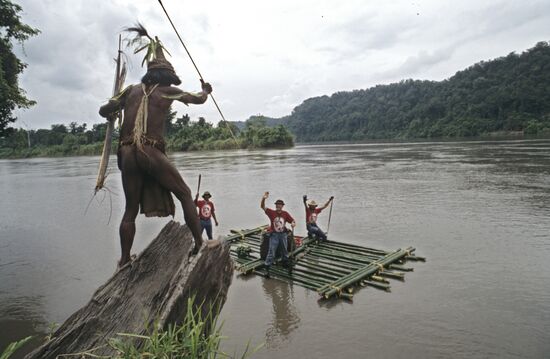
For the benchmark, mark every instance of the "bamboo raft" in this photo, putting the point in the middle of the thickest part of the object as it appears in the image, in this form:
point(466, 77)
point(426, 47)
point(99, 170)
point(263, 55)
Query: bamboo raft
point(331, 268)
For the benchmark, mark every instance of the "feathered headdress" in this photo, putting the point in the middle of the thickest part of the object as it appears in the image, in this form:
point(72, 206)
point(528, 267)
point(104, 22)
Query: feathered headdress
point(154, 55)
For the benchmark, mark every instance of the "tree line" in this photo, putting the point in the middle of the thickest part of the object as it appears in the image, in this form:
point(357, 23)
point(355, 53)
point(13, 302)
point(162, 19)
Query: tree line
point(507, 94)
point(181, 133)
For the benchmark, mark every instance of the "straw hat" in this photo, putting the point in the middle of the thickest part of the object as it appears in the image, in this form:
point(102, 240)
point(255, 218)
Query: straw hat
point(312, 203)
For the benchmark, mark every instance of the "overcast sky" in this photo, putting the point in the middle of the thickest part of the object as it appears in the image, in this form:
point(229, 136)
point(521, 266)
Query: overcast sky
point(264, 56)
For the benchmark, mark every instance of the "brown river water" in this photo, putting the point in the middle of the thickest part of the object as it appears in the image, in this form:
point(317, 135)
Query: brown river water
point(479, 212)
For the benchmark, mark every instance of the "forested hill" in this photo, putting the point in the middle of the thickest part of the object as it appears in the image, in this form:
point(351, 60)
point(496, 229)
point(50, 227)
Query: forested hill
point(510, 93)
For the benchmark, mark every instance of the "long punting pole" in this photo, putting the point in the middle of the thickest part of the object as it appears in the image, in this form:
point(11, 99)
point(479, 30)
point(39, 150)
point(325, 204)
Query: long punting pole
point(199, 185)
point(330, 215)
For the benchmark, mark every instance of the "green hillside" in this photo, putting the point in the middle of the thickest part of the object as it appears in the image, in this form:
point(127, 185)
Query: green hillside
point(510, 93)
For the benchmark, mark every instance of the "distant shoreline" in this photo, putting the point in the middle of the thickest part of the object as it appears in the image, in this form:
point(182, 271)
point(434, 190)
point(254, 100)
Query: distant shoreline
point(492, 137)
point(501, 136)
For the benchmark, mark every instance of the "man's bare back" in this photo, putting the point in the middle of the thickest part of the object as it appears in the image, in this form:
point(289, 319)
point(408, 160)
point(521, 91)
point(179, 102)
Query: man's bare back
point(160, 100)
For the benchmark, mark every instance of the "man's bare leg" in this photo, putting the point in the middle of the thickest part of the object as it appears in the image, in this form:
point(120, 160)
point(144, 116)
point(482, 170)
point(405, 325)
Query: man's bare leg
point(132, 183)
point(157, 165)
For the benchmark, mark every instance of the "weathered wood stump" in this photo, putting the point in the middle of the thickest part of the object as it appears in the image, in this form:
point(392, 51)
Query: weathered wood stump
point(153, 290)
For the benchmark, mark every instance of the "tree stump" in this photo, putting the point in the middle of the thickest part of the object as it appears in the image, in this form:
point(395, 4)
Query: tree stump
point(152, 290)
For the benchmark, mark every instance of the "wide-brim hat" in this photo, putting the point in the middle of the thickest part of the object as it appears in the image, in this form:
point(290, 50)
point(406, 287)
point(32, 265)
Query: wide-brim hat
point(312, 203)
point(206, 194)
point(280, 201)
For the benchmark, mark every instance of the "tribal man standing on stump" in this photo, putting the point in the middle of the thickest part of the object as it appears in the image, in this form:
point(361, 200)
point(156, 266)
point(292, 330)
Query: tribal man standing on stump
point(148, 177)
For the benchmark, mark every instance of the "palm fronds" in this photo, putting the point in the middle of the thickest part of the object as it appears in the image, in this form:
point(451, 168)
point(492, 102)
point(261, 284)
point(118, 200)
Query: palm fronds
point(143, 41)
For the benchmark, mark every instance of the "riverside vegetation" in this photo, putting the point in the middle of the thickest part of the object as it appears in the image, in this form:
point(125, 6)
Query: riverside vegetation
point(510, 94)
point(182, 134)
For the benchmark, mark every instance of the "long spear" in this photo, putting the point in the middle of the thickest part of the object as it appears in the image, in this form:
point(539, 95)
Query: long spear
point(198, 71)
point(120, 76)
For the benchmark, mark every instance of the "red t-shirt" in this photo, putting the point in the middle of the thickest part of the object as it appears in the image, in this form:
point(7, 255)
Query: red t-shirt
point(278, 220)
point(311, 216)
point(205, 209)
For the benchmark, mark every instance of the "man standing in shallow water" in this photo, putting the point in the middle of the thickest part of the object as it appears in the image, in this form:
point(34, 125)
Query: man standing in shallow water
point(206, 213)
point(148, 177)
point(277, 231)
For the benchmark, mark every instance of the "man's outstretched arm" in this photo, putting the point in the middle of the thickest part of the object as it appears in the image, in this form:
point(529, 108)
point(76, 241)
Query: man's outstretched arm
point(328, 202)
point(174, 93)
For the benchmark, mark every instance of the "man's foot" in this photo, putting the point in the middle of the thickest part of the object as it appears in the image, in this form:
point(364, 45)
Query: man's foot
point(126, 261)
point(267, 271)
point(198, 245)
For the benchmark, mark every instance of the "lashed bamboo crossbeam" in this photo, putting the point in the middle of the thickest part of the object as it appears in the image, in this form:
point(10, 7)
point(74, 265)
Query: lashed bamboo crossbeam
point(243, 234)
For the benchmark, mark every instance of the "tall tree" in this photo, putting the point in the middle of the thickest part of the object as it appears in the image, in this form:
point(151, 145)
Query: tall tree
point(12, 30)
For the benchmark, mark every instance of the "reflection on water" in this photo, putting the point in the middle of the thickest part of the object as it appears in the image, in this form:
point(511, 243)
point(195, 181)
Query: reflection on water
point(479, 211)
point(285, 315)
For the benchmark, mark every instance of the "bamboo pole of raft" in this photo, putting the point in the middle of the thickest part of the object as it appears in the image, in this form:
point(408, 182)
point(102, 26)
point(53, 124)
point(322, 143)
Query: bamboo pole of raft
point(351, 248)
point(359, 275)
point(339, 285)
point(242, 234)
point(120, 76)
point(338, 254)
point(355, 251)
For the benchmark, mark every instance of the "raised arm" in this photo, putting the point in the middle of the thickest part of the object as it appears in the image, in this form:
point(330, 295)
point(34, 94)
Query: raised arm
point(262, 203)
point(305, 201)
point(328, 202)
point(174, 93)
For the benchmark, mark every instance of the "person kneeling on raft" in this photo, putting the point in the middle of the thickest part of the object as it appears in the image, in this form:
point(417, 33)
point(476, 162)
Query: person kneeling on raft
point(311, 218)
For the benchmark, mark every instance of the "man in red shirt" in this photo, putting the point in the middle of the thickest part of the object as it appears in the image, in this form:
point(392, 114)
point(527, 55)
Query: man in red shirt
point(277, 230)
point(206, 212)
point(311, 218)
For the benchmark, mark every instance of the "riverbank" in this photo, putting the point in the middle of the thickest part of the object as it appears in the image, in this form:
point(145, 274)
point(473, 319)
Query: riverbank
point(95, 149)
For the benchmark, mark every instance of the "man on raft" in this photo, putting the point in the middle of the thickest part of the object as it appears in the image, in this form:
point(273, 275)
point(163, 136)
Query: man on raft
point(277, 232)
point(148, 177)
point(311, 218)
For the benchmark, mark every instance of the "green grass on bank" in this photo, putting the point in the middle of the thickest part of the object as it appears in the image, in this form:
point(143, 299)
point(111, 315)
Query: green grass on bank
point(199, 336)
